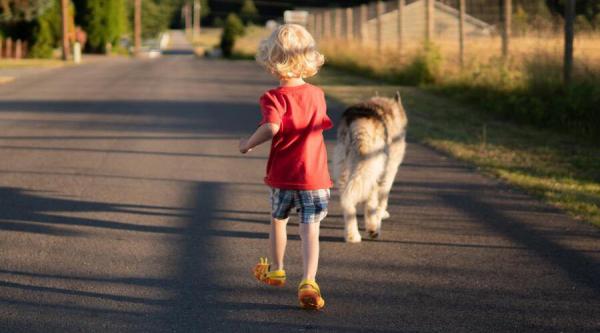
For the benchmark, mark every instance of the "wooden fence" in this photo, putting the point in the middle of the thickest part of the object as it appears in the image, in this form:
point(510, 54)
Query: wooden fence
point(397, 24)
point(10, 49)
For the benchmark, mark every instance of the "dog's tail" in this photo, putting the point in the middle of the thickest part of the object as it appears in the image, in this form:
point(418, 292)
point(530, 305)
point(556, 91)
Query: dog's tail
point(367, 138)
point(365, 160)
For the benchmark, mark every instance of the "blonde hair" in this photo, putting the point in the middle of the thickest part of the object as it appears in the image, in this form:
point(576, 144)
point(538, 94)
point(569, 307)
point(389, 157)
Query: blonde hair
point(290, 52)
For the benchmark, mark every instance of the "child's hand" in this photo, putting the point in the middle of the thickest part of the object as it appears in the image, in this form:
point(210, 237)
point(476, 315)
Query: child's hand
point(244, 146)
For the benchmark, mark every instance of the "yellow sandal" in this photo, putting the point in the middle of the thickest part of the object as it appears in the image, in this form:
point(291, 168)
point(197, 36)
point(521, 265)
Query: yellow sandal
point(309, 295)
point(263, 274)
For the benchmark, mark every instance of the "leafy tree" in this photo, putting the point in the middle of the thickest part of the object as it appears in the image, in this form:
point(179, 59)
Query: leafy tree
point(23, 10)
point(204, 8)
point(248, 12)
point(157, 15)
point(47, 32)
point(234, 28)
point(105, 22)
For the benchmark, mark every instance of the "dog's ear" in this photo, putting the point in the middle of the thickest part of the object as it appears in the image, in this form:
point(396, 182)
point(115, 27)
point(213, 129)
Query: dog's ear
point(397, 97)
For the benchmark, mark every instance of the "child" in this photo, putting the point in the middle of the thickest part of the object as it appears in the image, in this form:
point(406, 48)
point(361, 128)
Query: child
point(294, 117)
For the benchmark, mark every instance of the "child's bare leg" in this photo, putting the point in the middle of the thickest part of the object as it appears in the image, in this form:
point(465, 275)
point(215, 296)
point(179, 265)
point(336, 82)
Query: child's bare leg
point(309, 234)
point(278, 240)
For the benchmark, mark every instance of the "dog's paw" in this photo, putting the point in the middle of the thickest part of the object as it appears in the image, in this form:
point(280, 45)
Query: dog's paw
point(385, 215)
point(374, 234)
point(353, 238)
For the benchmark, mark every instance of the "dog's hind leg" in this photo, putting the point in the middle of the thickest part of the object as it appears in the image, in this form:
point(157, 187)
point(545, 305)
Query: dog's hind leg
point(372, 216)
point(385, 186)
point(351, 233)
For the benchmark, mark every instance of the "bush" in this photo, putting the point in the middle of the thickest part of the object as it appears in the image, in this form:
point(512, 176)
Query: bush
point(233, 29)
point(47, 32)
point(424, 68)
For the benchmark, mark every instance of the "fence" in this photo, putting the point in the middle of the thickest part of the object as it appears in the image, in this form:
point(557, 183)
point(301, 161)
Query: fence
point(10, 49)
point(467, 32)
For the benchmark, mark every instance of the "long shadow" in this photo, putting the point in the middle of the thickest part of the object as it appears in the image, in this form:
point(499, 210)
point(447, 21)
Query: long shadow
point(581, 269)
point(139, 281)
point(121, 137)
point(103, 296)
point(131, 152)
point(177, 52)
point(195, 305)
point(177, 116)
point(27, 212)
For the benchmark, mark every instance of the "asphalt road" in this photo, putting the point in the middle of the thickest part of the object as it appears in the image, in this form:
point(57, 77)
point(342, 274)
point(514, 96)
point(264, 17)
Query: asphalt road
point(126, 207)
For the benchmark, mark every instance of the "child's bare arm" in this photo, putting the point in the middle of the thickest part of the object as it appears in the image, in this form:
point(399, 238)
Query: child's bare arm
point(262, 134)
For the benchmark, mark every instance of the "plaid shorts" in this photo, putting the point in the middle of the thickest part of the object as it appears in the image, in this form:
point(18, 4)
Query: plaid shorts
point(311, 205)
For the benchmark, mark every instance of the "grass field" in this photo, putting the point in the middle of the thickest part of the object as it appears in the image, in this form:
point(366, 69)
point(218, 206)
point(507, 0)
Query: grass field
point(246, 46)
point(527, 87)
point(477, 51)
point(208, 39)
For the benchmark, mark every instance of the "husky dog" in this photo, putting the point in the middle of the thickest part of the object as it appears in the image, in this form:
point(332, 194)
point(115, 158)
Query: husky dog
point(370, 147)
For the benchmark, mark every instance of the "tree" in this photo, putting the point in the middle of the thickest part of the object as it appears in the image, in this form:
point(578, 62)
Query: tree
point(205, 9)
point(105, 22)
point(47, 32)
point(27, 10)
point(248, 12)
point(157, 15)
point(234, 28)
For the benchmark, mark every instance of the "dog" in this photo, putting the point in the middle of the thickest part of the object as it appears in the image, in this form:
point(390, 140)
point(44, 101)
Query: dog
point(370, 147)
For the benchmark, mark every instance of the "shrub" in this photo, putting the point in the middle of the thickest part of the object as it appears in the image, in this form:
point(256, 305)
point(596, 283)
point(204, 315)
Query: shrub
point(424, 68)
point(47, 32)
point(233, 29)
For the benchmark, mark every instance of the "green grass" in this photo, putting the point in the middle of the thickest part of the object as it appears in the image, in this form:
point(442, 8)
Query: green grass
point(561, 169)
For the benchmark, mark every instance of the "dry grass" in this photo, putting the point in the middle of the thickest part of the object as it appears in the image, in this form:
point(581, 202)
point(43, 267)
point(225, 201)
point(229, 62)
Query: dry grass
point(478, 52)
point(208, 39)
point(25, 63)
point(247, 45)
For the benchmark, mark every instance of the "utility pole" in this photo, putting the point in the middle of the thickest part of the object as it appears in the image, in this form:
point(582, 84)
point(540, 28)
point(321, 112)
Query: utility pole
point(461, 32)
point(429, 20)
point(507, 27)
point(569, 36)
point(188, 19)
point(196, 30)
point(137, 27)
point(363, 25)
point(400, 24)
point(64, 10)
point(379, 26)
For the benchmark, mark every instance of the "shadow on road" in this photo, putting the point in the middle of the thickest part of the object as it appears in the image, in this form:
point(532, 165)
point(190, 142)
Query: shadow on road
point(179, 117)
point(35, 213)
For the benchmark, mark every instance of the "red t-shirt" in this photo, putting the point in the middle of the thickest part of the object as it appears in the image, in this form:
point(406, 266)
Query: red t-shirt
point(298, 158)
